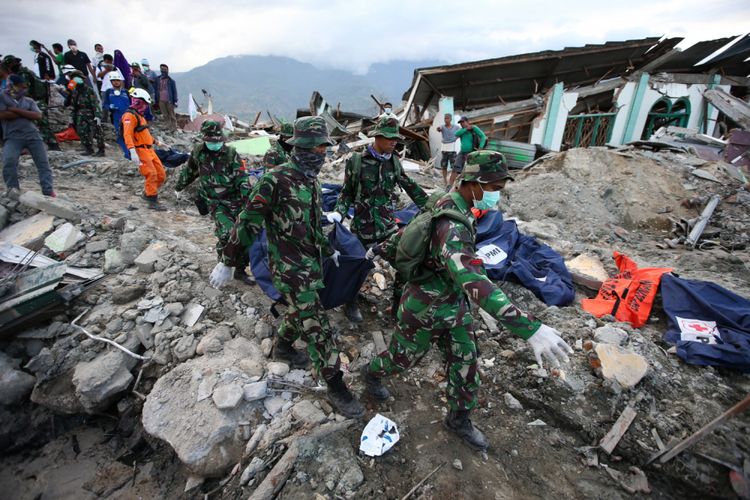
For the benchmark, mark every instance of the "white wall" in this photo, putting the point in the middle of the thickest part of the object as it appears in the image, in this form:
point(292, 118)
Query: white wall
point(567, 103)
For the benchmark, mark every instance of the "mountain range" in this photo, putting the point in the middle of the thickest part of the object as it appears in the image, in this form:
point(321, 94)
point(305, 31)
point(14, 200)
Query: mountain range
point(244, 85)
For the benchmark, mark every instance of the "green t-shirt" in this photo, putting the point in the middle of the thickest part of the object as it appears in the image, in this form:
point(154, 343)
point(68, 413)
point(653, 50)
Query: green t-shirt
point(59, 60)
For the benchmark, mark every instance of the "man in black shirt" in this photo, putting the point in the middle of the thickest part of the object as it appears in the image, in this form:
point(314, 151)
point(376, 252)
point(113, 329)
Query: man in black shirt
point(46, 66)
point(79, 60)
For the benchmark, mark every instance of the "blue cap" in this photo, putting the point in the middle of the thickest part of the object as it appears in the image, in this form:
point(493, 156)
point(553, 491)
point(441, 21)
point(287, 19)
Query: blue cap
point(16, 80)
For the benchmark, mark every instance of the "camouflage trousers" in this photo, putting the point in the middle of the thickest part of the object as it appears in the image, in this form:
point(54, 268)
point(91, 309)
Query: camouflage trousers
point(305, 318)
point(44, 127)
point(88, 131)
point(224, 218)
point(421, 323)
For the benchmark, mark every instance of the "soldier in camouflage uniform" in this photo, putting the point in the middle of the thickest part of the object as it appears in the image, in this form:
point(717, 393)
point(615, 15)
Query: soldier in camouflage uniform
point(223, 185)
point(39, 91)
point(287, 201)
point(280, 149)
point(436, 309)
point(370, 183)
point(87, 114)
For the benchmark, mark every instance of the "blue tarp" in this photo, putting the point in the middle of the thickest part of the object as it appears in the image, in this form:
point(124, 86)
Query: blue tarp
point(171, 158)
point(709, 324)
point(342, 283)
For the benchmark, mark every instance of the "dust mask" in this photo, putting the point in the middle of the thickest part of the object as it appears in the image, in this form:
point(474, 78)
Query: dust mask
point(214, 146)
point(489, 200)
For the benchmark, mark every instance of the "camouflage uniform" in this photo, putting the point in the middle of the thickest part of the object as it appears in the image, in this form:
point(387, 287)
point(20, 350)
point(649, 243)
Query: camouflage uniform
point(223, 183)
point(373, 191)
point(277, 155)
point(286, 200)
point(85, 109)
point(437, 310)
point(39, 91)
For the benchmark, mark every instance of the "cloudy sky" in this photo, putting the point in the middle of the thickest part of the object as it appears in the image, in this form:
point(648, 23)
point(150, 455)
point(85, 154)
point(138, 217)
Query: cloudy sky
point(354, 34)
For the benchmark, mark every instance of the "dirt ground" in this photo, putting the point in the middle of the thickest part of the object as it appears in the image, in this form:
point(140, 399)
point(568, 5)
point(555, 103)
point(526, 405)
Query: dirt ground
point(109, 455)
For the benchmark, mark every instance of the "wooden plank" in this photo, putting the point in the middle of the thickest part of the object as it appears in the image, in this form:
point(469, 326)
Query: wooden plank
point(736, 109)
point(610, 440)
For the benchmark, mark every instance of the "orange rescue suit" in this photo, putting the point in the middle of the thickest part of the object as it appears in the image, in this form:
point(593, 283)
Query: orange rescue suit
point(136, 135)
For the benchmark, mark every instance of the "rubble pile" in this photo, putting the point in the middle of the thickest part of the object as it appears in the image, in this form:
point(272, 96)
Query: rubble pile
point(192, 399)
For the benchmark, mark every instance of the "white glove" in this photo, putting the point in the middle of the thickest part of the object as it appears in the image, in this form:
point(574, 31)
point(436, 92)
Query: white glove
point(547, 342)
point(134, 156)
point(335, 257)
point(98, 120)
point(370, 255)
point(333, 217)
point(221, 275)
point(178, 195)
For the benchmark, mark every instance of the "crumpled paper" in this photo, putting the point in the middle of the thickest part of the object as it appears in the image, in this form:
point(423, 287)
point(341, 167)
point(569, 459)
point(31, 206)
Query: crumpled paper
point(378, 436)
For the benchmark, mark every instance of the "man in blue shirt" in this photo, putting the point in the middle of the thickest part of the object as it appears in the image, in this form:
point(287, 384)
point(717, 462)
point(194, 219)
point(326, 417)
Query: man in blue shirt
point(117, 101)
point(448, 149)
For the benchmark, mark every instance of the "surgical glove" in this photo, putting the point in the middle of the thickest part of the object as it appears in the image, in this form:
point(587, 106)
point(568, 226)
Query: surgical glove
point(547, 342)
point(98, 120)
point(220, 275)
point(335, 257)
point(333, 217)
point(178, 195)
point(371, 255)
point(134, 156)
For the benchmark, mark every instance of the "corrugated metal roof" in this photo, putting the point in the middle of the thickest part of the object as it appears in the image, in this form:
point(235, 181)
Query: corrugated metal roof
point(494, 81)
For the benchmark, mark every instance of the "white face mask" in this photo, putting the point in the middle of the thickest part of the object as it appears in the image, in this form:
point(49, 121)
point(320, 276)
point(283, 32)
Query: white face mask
point(387, 111)
point(117, 92)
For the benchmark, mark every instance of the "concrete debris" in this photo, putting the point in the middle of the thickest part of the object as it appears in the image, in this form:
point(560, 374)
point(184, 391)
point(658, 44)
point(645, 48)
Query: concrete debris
point(512, 402)
point(308, 413)
point(255, 391)
point(147, 259)
point(64, 238)
point(227, 396)
point(29, 232)
point(617, 363)
point(53, 206)
point(608, 334)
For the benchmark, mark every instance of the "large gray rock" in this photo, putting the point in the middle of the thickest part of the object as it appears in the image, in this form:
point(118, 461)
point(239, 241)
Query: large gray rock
point(99, 381)
point(29, 232)
point(53, 206)
point(125, 294)
point(113, 260)
point(15, 384)
point(132, 244)
point(146, 261)
point(179, 409)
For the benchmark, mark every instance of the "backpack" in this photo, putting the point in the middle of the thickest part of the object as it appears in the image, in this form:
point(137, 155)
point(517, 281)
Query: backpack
point(414, 243)
point(38, 90)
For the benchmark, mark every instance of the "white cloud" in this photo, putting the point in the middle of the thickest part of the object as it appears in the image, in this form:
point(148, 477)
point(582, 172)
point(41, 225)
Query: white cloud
point(354, 34)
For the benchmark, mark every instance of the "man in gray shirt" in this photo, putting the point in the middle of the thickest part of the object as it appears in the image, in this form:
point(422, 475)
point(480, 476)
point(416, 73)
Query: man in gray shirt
point(448, 150)
point(17, 116)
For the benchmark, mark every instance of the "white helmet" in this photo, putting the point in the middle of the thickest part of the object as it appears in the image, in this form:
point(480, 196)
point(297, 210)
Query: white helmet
point(116, 75)
point(67, 68)
point(140, 94)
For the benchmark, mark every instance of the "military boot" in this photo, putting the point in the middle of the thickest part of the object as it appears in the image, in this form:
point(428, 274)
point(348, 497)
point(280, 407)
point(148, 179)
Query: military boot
point(374, 385)
point(352, 313)
point(153, 203)
point(100, 153)
point(285, 350)
point(86, 151)
point(342, 399)
point(53, 146)
point(458, 422)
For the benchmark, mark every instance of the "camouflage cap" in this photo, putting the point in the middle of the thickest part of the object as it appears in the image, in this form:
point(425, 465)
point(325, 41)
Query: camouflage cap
point(485, 166)
point(310, 132)
point(286, 129)
point(212, 131)
point(387, 127)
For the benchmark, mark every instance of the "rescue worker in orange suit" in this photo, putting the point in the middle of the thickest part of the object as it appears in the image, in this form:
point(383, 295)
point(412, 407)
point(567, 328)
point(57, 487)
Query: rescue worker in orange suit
point(140, 144)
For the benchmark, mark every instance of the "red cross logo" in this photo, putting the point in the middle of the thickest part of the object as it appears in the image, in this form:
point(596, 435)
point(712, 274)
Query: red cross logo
point(698, 327)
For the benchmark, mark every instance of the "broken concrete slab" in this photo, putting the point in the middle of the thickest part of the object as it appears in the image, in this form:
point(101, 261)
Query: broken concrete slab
point(99, 381)
point(97, 246)
point(227, 396)
point(277, 368)
point(192, 314)
point(64, 238)
point(132, 244)
point(306, 412)
point(113, 261)
point(609, 334)
point(147, 259)
point(29, 232)
point(589, 266)
point(624, 366)
point(129, 293)
point(255, 391)
point(53, 206)
point(15, 384)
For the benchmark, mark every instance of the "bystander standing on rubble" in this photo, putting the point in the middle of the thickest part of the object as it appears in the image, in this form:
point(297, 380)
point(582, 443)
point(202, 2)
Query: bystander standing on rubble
point(87, 114)
point(80, 61)
point(223, 186)
point(103, 71)
point(370, 183)
point(138, 79)
point(472, 139)
point(387, 108)
point(17, 116)
point(96, 61)
point(287, 202)
point(116, 100)
point(45, 66)
point(166, 96)
point(59, 58)
point(139, 142)
point(435, 305)
point(37, 90)
point(448, 150)
point(152, 78)
point(278, 153)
